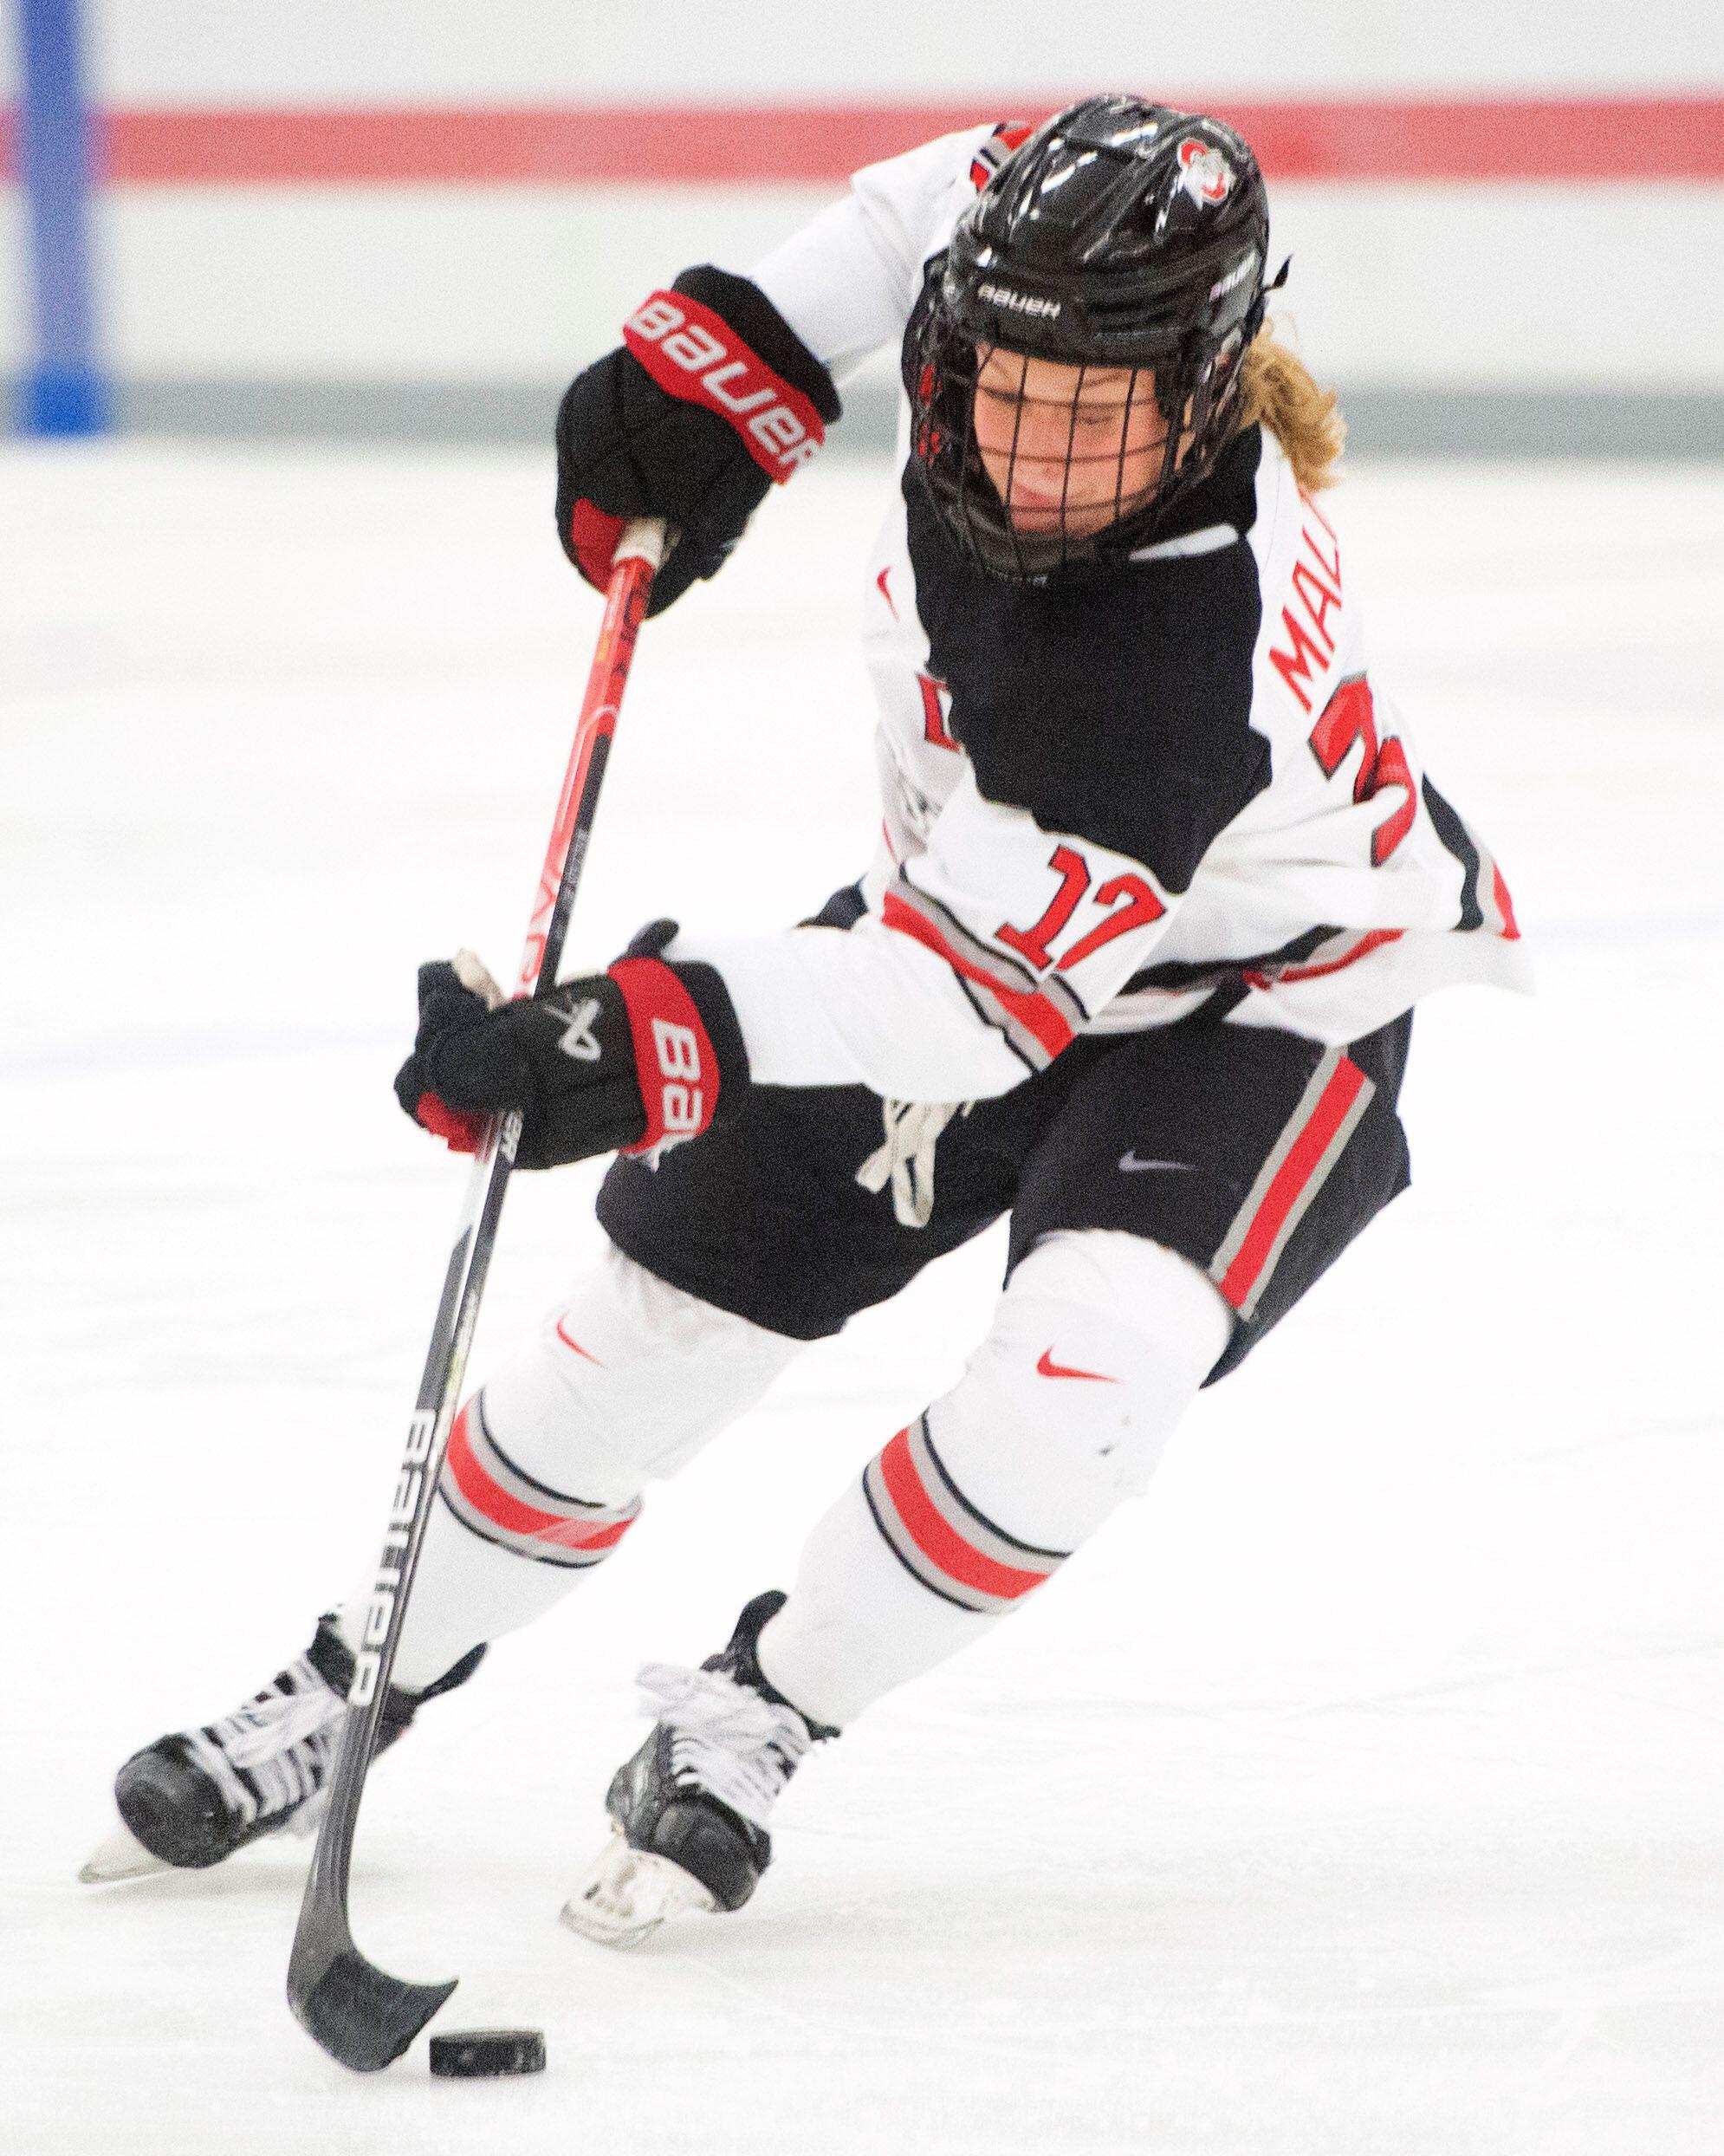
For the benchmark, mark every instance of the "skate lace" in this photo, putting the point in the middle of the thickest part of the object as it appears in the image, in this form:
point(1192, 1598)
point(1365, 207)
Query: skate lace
point(264, 1728)
point(726, 1738)
point(906, 1159)
point(271, 1752)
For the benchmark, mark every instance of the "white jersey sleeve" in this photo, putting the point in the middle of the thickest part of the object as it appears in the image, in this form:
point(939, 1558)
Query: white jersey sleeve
point(989, 953)
point(847, 282)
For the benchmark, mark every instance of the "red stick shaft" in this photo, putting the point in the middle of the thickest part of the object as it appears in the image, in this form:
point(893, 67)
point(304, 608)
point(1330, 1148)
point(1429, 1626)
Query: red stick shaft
point(625, 610)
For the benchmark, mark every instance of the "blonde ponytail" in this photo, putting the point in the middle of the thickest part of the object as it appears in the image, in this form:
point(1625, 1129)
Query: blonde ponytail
point(1277, 389)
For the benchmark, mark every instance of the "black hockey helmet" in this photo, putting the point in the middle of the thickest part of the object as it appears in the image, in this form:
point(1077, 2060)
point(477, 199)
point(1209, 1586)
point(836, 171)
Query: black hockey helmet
point(1122, 234)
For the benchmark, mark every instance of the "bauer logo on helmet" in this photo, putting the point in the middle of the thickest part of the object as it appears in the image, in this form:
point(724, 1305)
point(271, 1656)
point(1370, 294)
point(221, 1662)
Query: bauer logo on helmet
point(1235, 277)
point(1019, 302)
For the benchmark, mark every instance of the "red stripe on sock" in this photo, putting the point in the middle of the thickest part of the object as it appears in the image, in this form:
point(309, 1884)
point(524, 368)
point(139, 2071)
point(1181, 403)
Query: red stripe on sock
point(937, 1539)
point(487, 1496)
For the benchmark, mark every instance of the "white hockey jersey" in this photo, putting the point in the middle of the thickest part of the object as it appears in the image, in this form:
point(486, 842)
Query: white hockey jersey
point(1110, 802)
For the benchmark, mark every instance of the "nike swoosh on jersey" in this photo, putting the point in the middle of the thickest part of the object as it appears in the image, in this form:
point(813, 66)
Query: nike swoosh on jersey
point(1130, 1165)
point(1048, 1368)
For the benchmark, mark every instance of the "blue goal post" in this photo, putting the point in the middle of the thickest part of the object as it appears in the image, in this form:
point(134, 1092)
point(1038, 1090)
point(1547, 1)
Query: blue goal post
point(64, 389)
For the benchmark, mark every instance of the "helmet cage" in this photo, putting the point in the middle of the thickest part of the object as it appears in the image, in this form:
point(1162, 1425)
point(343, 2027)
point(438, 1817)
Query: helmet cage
point(1081, 253)
point(1196, 391)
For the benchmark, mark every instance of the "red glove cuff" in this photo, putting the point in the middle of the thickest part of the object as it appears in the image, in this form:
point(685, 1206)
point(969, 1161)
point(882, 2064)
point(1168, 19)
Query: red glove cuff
point(459, 1131)
point(673, 1057)
point(694, 355)
point(593, 537)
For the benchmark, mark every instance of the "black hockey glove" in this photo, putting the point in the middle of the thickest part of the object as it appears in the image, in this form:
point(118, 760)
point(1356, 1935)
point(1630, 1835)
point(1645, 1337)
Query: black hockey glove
point(710, 399)
point(643, 1055)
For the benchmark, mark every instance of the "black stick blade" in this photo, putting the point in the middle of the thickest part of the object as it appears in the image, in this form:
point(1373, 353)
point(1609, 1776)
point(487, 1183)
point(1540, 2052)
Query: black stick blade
point(361, 2016)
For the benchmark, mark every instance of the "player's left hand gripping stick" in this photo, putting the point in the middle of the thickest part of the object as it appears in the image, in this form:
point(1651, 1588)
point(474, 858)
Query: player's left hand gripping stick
point(357, 2012)
point(641, 1056)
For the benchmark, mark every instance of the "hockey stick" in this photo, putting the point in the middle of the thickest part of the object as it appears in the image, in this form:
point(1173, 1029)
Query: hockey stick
point(359, 2014)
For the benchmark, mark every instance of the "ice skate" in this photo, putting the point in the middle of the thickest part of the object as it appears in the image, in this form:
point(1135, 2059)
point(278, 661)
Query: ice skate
point(689, 1812)
point(192, 1798)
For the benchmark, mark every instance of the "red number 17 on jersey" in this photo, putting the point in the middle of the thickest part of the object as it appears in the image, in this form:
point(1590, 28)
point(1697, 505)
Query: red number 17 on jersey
point(1135, 906)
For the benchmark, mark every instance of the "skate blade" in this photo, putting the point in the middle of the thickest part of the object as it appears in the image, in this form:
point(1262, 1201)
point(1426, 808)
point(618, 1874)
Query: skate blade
point(626, 1894)
point(119, 1854)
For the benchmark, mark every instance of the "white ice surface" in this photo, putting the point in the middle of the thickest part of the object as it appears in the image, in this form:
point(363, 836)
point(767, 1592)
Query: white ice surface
point(1359, 1792)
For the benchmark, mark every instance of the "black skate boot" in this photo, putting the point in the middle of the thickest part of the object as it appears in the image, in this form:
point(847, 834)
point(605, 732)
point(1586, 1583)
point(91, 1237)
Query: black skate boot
point(190, 1799)
point(689, 1811)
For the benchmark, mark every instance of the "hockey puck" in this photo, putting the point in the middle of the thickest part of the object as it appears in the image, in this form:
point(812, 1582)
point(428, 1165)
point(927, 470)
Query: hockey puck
point(474, 2054)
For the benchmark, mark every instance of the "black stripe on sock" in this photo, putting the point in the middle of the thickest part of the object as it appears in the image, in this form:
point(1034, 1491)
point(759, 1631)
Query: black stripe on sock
point(562, 1496)
point(1030, 1549)
point(910, 1568)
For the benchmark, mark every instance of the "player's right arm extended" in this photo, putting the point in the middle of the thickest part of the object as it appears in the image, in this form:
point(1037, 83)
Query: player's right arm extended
point(847, 280)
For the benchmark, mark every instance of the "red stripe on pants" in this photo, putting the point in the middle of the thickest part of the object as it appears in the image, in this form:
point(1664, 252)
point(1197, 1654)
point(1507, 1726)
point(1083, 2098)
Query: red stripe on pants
point(1295, 1172)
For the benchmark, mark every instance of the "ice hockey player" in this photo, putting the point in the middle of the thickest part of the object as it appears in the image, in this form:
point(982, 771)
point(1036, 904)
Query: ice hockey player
point(1160, 879)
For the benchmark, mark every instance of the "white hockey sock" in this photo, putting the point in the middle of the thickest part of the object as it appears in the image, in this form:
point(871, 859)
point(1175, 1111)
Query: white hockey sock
point(545, 1466)
point(1097, 1345)
point(502, 1545)
point(467, 1590)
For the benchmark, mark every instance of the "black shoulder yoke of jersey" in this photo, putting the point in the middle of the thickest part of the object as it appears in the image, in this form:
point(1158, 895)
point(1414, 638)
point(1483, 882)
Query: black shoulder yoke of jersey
point(1118, 707)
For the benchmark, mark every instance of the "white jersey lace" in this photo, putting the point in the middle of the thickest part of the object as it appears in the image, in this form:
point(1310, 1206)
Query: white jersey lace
point(906, 1159)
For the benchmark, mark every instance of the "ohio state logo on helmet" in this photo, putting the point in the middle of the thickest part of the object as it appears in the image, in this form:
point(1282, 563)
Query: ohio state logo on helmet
point(1208, 176)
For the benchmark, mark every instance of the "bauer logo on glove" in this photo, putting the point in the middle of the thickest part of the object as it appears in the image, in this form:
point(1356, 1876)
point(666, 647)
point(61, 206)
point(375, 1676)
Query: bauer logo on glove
point(644, 1056)
point(674, 338)
point(710, 399)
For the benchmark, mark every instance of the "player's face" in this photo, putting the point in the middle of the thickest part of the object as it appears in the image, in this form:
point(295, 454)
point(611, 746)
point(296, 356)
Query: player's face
point(1069, 448)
